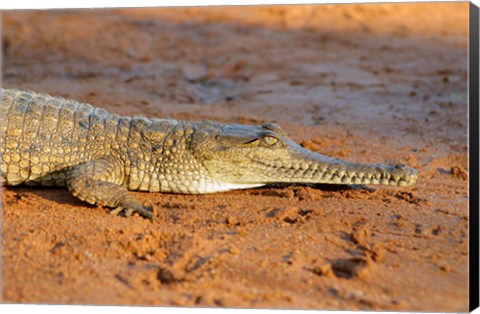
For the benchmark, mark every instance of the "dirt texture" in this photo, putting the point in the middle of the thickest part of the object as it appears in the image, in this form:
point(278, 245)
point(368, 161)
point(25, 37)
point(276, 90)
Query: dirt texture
point(368, 83)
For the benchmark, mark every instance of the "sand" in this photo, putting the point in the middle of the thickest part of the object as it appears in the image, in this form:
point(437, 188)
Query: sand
point(367, 83)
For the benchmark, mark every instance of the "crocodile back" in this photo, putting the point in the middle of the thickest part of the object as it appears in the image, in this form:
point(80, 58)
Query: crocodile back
point(42, 137)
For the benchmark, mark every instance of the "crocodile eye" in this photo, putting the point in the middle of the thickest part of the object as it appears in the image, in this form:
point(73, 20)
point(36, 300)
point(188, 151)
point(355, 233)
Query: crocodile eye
point(269, 140)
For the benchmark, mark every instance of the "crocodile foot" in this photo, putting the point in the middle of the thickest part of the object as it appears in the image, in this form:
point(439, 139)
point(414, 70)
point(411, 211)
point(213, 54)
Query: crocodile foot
point(127, 211)
point(98, 182)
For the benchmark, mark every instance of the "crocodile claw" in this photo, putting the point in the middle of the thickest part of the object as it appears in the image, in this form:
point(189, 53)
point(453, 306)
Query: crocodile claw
point(144, 211)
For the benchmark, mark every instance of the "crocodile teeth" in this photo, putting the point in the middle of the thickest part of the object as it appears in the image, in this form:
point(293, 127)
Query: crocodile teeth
point(384, 181)
point(336, 178)
point(356, 179)
point(304, 166)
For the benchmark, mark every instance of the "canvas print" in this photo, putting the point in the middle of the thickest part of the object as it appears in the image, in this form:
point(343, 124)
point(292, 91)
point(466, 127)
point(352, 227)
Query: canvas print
point(283, 157)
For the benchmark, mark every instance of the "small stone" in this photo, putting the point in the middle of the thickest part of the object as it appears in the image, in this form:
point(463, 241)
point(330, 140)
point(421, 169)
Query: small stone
point(323, 270)
point(352, 267)
point(459, 172)
point(398, 220)
point(234, 250)
point(446, 268)
point(231, 220)
point(378, 253)
point(359, 236)
point(165, 276)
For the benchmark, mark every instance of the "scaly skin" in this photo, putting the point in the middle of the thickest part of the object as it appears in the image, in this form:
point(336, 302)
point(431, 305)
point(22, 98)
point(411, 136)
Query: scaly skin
point(99, 156)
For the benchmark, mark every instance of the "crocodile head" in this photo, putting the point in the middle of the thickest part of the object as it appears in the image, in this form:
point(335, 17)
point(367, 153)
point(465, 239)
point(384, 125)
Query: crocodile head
point(257, 155)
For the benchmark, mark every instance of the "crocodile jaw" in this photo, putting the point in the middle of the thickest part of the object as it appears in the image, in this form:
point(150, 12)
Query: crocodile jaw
point(310, 167)
point(321, 173)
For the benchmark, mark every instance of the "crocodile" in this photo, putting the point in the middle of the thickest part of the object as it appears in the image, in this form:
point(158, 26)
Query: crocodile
point(101, 156)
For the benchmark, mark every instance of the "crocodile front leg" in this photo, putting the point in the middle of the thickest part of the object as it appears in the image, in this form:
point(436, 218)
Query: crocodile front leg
point(98, 182)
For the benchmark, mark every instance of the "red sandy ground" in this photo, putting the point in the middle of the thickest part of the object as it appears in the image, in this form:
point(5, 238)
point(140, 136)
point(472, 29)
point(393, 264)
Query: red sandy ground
point(367, 83)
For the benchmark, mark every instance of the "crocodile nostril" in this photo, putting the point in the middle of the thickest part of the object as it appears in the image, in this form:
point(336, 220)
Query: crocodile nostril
point(400, 166)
